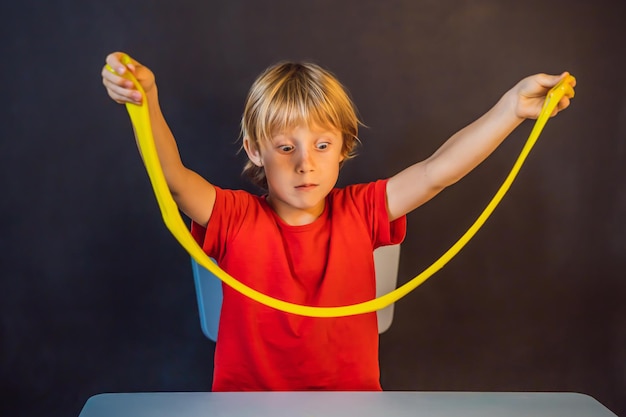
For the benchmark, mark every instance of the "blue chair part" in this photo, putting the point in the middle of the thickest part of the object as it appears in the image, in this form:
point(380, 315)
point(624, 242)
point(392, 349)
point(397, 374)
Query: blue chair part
point(209, 295)
point(209, 290)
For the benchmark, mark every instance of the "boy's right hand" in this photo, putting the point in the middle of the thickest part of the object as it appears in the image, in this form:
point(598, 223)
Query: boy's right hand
point(119, 88)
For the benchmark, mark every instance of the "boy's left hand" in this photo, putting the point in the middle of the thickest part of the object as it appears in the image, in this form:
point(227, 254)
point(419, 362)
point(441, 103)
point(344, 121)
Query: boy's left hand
point(531, 94)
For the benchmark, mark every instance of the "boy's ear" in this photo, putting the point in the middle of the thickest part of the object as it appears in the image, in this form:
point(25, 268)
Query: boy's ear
point(254, 155)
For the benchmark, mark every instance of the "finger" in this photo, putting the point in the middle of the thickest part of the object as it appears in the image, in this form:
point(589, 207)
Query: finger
point(562, 105)
point(132, 66)
point(572, 81)
point(117, 99)
point(123, 99)
point(114, 78)
point(121, 62)
point(130, 63)
point(114, 60)
point(121, 93)
point(569, 87)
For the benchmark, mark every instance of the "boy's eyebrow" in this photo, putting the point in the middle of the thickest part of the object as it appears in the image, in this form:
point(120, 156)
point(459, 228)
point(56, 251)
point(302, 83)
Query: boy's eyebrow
point(327, 131)
point(277, 135)
point(321, 132)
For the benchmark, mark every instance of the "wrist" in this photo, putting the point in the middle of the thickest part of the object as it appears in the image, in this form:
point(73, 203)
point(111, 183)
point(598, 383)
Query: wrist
point(510, 106)
point(151, 92)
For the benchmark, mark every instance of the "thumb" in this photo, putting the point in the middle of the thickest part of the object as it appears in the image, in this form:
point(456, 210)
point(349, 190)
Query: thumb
point(549, 81)
point(130, 63)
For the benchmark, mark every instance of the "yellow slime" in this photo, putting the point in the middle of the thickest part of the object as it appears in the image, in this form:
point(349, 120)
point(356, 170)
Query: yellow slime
point(141, 121)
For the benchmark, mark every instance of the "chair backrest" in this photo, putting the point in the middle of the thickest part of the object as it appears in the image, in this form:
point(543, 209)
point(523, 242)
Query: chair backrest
point(209, 290)
point(209, 295)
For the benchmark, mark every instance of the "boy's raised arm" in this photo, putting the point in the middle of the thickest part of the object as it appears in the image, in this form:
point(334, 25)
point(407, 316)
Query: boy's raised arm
point(193, 194)
point(467, 148)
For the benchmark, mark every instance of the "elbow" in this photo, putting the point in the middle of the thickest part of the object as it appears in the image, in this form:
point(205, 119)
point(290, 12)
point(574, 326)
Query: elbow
point(176, 181)
point(440, 176)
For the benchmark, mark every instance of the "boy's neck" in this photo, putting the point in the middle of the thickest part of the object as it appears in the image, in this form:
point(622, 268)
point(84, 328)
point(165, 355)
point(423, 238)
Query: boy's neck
point(294, 216)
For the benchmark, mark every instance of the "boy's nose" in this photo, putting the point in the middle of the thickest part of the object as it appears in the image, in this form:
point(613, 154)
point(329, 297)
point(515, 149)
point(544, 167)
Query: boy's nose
point(305, 162)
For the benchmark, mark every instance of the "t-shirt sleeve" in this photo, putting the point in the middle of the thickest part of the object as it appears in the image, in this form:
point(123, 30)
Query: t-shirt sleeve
point(370, 203)
point(389, 233)
point(229, 209)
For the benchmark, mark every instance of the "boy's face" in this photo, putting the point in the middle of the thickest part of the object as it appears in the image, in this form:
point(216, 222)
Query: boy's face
point(301, 166)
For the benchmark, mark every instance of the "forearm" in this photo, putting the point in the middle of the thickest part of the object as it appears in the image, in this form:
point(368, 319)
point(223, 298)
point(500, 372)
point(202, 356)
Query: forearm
point(467, 148)
point(165, 144)
point(460, 154)
point(193, 195)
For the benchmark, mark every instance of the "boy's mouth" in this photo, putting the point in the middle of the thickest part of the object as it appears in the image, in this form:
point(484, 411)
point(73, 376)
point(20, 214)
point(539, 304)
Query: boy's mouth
point(306, 186)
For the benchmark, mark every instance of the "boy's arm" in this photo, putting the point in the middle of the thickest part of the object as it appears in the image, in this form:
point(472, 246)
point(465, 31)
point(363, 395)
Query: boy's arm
point(193, 194)
point(470, 146)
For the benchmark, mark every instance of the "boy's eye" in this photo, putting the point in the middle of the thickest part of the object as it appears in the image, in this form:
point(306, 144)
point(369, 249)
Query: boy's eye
point(323, 145)
point(285, 148)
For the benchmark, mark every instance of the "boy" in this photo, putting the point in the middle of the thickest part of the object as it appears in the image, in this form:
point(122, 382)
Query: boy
point(306, 241)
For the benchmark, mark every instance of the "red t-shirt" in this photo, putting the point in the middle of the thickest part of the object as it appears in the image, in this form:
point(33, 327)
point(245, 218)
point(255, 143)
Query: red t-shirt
point(326, 263)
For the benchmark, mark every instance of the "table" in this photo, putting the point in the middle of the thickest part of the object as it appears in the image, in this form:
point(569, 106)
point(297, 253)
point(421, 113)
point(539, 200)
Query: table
point(345, 404)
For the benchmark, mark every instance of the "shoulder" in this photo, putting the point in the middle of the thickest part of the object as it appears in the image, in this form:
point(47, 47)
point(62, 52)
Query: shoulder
point(236, 198)
point(237, 207)
point(365, 193)
point(236, 213)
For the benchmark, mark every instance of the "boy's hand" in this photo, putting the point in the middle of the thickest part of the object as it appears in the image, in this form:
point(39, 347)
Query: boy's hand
point(119, 88)
point(531, 94)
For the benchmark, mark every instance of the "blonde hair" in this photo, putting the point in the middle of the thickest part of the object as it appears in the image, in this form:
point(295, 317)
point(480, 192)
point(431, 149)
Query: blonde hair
point(289, 94)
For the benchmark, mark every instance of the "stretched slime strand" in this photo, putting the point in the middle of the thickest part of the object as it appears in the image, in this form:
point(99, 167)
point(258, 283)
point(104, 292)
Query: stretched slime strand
point(169, 210)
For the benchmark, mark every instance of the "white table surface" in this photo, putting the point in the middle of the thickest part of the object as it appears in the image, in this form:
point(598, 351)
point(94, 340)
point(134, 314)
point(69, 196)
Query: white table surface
point(345, 404)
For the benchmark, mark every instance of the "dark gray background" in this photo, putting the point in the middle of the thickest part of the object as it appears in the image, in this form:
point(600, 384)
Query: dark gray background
point(96, 295)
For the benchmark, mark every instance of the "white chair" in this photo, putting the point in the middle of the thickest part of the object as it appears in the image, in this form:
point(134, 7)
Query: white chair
point(209, 290)
point(386, 263)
